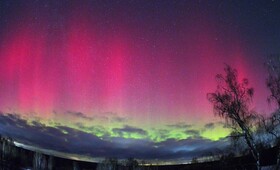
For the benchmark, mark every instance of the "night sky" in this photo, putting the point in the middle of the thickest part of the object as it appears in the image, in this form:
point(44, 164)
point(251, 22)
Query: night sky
point(126, 78)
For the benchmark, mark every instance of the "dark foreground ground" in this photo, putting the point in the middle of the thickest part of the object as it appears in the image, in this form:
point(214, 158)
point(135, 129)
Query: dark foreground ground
point(15, 158)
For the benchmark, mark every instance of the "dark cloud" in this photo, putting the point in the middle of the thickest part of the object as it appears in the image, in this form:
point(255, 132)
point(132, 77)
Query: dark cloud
point(112, 117)
point(94, 129)
point(161, 134)
point(79, 114)
point(69, 140)
point(119, 119)
point(180, 125)
point(129, 129)
point(193, 132)
point(104, 117)
point(209, 126)
point(73, 114)
point(226, 126)
point(36, 123)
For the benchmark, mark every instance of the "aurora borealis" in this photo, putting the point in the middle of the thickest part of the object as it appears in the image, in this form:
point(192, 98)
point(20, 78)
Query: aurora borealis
point(127, 78)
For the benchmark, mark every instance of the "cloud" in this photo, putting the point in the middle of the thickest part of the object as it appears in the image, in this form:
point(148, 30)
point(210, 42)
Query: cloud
point(161, 134)
point(69, 140)
point(106, 117)
point(224, 125)
point(72, 114)
point(112, 117)
point(129, 130)
point(180, 125)
point(97, 129)
point(119, 119)
point(79, 114)
point(193, 132)
point(209, 126)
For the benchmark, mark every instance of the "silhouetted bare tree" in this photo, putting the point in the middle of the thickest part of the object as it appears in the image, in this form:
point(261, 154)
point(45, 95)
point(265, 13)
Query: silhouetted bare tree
point(272, 124)
point(231, 101)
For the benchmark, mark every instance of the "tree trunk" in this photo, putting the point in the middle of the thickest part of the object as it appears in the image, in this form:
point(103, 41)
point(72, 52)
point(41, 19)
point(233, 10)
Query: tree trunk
point(252, 147)
point(278, 160)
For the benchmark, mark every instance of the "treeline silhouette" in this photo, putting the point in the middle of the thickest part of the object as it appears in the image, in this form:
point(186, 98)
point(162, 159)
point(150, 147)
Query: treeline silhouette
point(15, 158)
